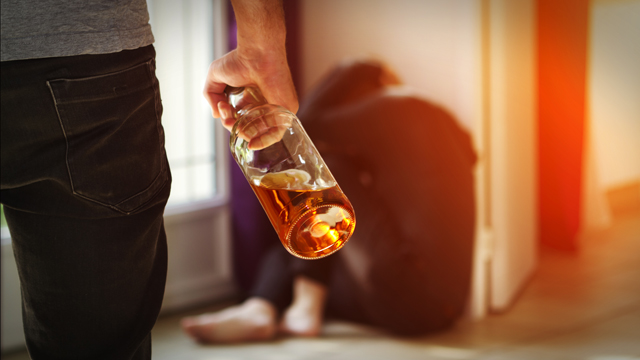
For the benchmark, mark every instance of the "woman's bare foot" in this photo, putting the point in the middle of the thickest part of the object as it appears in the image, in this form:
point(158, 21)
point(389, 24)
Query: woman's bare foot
point(253, 320)
point(304, 316)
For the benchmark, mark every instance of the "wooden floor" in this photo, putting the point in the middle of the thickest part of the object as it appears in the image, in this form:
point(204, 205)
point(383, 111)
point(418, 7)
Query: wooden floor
point(577, 306)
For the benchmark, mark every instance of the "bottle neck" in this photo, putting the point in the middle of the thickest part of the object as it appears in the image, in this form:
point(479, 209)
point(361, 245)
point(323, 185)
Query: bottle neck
point(243, 99)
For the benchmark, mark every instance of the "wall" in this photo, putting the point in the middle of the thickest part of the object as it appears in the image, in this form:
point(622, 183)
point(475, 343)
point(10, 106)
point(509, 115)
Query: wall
point(436, 46)
point(512, 151)
point(614, 91)
point(433, 45)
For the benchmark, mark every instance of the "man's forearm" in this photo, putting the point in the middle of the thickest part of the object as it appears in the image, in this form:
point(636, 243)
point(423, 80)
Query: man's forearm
point(259, 60)
point(261, 24)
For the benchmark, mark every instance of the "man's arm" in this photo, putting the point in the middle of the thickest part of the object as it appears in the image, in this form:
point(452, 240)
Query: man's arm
point(260, 59)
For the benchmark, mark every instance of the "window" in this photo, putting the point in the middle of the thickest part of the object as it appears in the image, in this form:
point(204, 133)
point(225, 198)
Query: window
point(189, 35)
point(185, 46)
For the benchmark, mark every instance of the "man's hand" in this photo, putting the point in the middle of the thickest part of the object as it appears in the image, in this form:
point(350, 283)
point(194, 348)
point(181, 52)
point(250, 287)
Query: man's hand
point(260, 60)
point(265, 130)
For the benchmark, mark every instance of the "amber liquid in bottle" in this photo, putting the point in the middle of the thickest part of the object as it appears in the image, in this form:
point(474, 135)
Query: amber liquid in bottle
point(311, 223)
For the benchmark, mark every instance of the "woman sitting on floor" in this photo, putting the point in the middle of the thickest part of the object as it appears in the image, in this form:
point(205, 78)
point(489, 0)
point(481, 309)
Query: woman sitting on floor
point(407, 168)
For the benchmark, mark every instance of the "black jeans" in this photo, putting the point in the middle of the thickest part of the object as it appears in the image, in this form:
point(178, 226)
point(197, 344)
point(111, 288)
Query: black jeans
point(85, 180)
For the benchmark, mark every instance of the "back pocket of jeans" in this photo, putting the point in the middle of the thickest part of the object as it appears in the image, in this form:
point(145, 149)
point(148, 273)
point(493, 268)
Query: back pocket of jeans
point(115, 140)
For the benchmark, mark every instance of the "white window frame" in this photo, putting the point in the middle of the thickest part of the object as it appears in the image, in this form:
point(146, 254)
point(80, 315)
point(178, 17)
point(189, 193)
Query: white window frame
point(199, 232)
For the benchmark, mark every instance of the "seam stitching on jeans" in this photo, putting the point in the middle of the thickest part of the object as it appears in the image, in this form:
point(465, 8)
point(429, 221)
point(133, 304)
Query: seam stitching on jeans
point(102, 203)
point(64, 133)
point(156, 100)
point(66, 160)
point(162, 176)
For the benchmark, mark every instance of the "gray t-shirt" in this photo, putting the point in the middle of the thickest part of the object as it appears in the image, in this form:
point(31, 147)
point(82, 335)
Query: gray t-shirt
point(49, 28)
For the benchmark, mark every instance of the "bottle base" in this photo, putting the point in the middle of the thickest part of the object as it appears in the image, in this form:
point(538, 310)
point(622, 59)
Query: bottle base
point(319, 232)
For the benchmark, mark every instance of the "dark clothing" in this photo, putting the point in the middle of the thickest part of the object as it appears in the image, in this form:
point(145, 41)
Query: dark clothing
point(84, 183)
point(407, 168)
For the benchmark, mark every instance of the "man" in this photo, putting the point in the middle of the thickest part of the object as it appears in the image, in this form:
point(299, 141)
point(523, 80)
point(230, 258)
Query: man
point(84, 173)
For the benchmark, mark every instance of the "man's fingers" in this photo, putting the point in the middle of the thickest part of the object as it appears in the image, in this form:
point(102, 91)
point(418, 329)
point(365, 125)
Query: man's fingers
point(214, 99)
point(226, 114)
point(223, 71)
point(266, 139)
point(264, 131)
point(213, 90)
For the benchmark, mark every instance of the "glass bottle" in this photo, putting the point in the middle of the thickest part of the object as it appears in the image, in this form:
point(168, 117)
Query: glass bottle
point(304, 203)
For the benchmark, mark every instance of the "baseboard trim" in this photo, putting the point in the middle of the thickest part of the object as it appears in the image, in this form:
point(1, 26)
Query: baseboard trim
point(625, 198)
